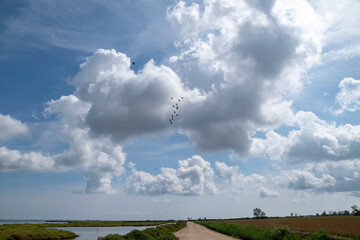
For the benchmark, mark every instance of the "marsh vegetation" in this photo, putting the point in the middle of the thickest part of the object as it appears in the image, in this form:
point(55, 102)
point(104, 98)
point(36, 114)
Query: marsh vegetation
point(162, 232)
point(32, 232)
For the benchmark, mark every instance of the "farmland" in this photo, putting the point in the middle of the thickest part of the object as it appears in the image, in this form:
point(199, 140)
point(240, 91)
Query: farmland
point(348, 226)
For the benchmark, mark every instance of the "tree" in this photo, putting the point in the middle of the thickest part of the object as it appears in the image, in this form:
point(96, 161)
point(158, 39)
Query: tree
point(258, 213)
point(355, 210)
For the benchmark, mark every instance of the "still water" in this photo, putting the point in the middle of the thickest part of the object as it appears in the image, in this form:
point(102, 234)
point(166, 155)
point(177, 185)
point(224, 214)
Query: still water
point(92, 233)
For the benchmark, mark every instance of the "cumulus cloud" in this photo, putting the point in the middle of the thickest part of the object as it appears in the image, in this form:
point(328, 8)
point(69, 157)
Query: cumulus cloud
point(267, 193)
point(315, 140)
point(194, 176)
point(232, 175)
point(248, 57)
point(125, 104)
point(239, 64)
point(301, 180)
point(349, 96)
point(10, 127)
point(100, 158)
point(14, 160)
point(328, 176)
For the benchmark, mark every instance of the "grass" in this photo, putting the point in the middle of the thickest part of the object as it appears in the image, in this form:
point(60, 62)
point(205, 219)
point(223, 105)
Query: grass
point(248, 232)
point(162, 232)
point(346, 226)
point(32, 232)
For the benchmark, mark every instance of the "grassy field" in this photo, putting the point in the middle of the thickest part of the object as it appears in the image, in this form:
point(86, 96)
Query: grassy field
point(32, 232)
point(163, 232)
point(248, 232)
point(348, 226)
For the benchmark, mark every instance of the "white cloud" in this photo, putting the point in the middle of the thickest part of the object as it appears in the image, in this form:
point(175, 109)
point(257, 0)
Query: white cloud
point(349, 96)
point(237, 180)
point(315, 140)
point(10, 127)
point(341, 19)
point(194, 176)
point(328, 176)
point(99, 157)
point(14, 160)
point(267, 193)
point(249, 59)
point(125, 104)
point(302, 179)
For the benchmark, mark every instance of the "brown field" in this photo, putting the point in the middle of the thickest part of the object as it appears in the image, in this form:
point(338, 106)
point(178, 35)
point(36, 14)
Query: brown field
point(348, 226)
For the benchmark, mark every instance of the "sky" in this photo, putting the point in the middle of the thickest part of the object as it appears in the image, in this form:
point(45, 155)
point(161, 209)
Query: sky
point(129, 110)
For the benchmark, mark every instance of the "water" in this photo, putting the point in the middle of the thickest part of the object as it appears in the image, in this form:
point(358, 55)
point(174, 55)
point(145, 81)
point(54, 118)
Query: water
point(92, 233)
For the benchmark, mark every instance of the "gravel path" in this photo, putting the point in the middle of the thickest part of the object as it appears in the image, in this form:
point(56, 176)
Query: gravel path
point(194, 231)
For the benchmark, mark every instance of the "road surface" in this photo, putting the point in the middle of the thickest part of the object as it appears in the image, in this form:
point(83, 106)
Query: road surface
point(194, 231)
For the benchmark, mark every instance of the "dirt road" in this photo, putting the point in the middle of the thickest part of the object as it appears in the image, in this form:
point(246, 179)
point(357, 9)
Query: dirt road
point(194, 231)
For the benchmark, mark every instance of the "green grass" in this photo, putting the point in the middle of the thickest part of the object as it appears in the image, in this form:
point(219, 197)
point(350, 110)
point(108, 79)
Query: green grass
point(247, 232)
point(163, 232)
point(32, 232)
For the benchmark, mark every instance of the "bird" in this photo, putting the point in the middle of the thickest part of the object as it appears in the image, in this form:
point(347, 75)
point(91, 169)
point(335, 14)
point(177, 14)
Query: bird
point(177, 107)
point(182, 97)
point(173, 105)
point(133, 63)
point(172, 115)
point(177, 115)
point(174, 112)
point(172, 98)
point(179, 100)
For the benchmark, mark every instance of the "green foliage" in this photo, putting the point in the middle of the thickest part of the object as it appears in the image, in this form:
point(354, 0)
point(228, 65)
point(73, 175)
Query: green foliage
point(247, 232)
point(320, 236)
point(162, 232)
point(31, 232)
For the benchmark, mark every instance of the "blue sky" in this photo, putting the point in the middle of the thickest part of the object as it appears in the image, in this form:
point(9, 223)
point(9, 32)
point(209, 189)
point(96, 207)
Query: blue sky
point(268, 114)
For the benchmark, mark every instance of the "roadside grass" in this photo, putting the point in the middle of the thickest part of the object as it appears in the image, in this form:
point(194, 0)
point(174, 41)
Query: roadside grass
point(162, 232)
point(247, 232)
point(32, 232)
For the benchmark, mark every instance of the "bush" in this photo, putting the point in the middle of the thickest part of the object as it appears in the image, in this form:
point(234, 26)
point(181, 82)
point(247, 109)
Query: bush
point(163, 232)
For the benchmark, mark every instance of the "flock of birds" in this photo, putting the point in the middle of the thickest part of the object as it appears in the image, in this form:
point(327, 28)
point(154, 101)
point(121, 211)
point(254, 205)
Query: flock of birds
point(176, 106)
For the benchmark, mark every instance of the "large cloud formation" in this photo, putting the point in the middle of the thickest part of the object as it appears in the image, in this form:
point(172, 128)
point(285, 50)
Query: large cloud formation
point(237, 67)
point(254, 54)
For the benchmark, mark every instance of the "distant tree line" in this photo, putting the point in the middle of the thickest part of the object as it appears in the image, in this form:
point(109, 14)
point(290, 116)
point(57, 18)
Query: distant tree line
point(355, 211)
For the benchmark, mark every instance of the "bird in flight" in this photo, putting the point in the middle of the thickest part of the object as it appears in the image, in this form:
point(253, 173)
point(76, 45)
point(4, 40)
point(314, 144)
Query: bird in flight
point(133, 63)
point(175, 105)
